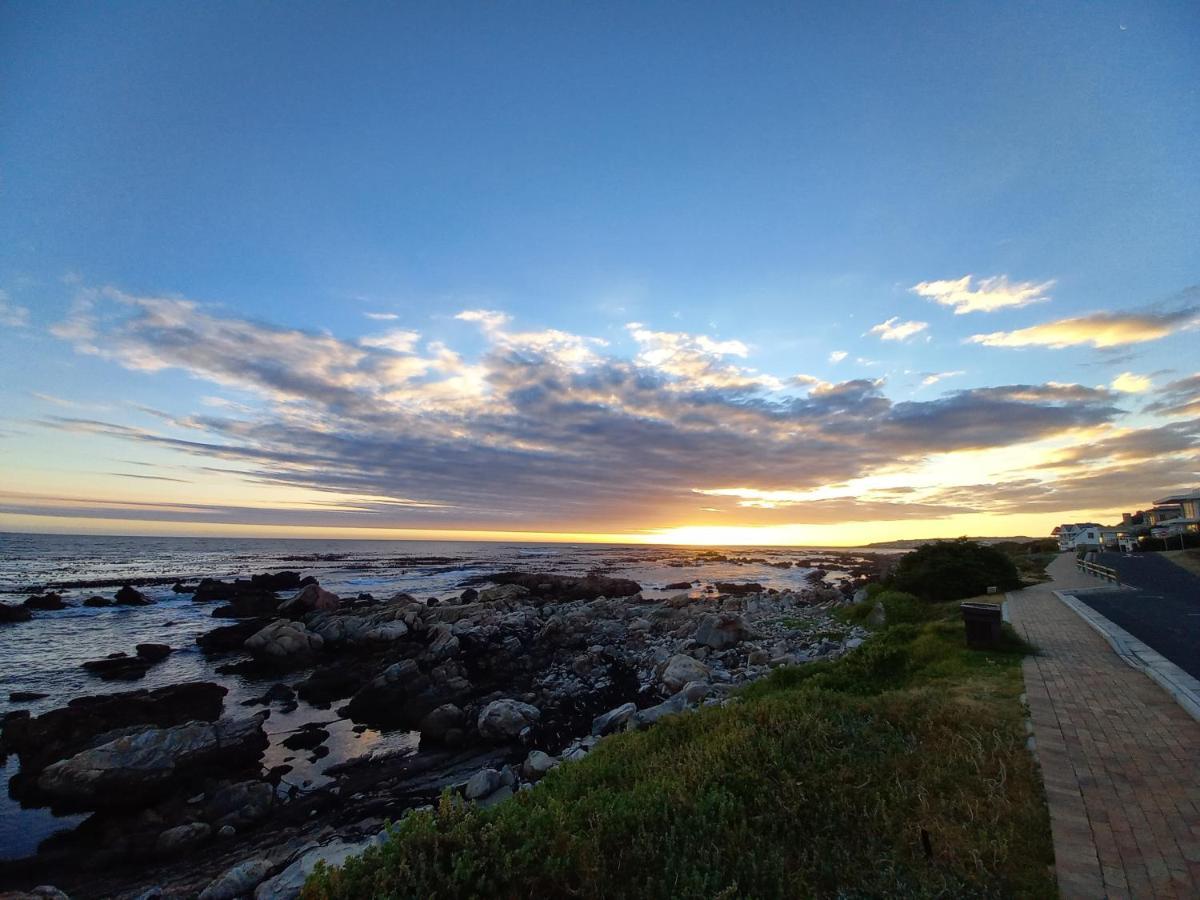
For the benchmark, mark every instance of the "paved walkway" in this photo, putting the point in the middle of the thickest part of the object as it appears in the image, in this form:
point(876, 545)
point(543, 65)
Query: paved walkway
point(1120, 759)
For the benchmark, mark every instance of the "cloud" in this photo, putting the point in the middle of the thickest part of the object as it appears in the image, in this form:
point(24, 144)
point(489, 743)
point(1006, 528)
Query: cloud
point(1129, 383)
point(490, 319)
point(398, 339)
point(11, 314)
point(1099, 330)
point(837, 356)
point(543, 429)
point(989, 295)
point(382, 317)
point(1179, 398)
point(895, 330)
point(932, 378)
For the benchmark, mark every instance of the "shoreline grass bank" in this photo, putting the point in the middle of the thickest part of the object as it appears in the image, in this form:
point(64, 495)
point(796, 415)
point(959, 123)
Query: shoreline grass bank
point(899, 770)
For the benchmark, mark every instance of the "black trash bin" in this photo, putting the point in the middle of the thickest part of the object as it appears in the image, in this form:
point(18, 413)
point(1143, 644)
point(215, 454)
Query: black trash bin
point(983, 625)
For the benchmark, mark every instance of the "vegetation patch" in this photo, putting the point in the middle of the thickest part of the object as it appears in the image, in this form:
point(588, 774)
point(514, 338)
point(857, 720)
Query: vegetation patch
point(954, 570)
point(898, 770)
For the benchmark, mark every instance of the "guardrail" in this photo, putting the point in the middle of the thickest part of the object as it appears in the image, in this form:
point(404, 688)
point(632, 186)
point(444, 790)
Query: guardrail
point(1108, 573)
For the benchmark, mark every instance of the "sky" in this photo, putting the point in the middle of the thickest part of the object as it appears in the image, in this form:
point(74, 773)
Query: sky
point(670, 272)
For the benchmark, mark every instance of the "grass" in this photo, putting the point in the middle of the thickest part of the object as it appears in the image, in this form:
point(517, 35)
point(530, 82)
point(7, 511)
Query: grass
point(898, 770)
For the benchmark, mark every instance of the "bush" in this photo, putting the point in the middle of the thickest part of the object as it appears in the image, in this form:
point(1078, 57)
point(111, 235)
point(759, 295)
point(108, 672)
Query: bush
point(901, 607)
point(954, 570)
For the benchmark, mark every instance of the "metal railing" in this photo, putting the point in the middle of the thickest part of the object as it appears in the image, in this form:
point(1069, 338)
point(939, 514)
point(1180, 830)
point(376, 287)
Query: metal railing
point(1108, 573)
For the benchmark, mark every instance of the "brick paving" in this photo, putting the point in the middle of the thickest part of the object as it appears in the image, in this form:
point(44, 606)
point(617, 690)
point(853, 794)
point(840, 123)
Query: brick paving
point(1120, 758)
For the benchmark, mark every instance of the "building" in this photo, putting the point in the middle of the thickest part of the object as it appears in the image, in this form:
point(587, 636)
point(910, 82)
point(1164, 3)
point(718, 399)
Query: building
point(1181, 514)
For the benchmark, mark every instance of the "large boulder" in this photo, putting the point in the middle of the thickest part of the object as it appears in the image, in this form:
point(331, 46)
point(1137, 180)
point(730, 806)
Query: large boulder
point(62, 732)
point(285, 642)
point(312, 598)
point(504, 720)
point(135, 768)
point(441, 721)
point(681, 669)
point(722, 631)
point(686, 697)
point(239, 804)
point(182, 838)
point(131, 596)
point(613, 719)
point(230, 638)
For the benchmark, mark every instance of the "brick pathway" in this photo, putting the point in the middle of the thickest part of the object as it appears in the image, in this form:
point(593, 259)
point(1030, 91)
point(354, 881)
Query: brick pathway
point(1120, 759)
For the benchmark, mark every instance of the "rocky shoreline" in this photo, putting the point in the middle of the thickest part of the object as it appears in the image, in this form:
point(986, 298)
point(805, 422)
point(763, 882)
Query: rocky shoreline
point(521, 672)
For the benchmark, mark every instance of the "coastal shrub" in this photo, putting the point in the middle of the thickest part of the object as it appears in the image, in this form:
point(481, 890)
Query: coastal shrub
point(824, 780)
point(953, 570)
point(901, 607)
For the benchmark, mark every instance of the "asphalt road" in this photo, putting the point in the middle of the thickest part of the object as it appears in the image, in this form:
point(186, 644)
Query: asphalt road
point(1164, 613)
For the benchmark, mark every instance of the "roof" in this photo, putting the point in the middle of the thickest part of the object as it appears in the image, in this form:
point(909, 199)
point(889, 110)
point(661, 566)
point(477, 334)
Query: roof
point(1194, 494)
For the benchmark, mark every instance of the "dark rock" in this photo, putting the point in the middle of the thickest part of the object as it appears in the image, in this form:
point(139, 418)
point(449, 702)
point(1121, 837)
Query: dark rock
point(230, 638)
point(153, 652)
point(25, 696)
point(47, 601)
point(129, 596)
point(118, 667)
point(65, 731)
point(181, 588)
point(564, 588)
point(737, 589)
point(678, 586)
point(240, 804)
point(470, 595)
point(278, 581)
point(10, 613)
point(306, 738)
point(97, 601)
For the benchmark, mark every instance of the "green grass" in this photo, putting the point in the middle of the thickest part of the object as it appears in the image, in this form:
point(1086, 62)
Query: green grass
point(818, 782)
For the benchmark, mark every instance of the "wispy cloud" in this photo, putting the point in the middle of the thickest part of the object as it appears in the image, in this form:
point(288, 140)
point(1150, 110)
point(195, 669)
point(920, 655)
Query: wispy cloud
point(1098, 330)
point(932, 378)
point(895, 330)
point(382, 316)
point(987, 295)
point(11, 314)
point(1179, 398)
point(837, 356)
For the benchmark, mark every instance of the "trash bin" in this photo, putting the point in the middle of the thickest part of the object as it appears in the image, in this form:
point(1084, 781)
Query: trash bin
point(983, 625)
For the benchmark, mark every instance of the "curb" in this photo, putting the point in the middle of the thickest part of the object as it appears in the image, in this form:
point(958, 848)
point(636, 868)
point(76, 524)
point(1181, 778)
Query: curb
point(1182, 687)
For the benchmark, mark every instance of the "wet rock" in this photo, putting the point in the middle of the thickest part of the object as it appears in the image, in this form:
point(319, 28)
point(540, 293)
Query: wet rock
point(238, 881)
point(118, 667)
point(738, 589)
point(561, 588)
point(613, 720)
point(504, 720)
point(48, 601)
point(10, 613)
point(681, 669)
point(678, 586)
point(306, 738)
point(41, 892)
point(136, 767)
point(25, 696)
point(65, 731)
point(182, 838)
point(470, 595)
point(97, 602)
point(152, 652)
point(130, 596)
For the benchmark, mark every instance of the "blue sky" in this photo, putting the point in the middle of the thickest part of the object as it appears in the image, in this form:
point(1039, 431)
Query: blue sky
point(773, 179)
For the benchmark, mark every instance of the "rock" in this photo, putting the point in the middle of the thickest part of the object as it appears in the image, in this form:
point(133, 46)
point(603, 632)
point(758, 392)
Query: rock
point(118, 667)
point(613, 720)
point(129, 596)
point(481, 784)
point(758, 657)
point(470, 595)
point(10, 613)
point(499, 795)
point(720, 632)
point(560, 588)
point(537, 764)
point(504, 720)
point(238, 881)
point(312, 598)
point(136, 767)
point(97, 601)
point(277, 581)
point(687, 696)
point(41, 892)
point(285, 641)
point(440, 721)
point(503, 593)
point(230, 638)
point(681, 669)
point(241, 804)
point(153, 652)
point(182, 838)
point(63, 732)
point(306, 738)
point(738, 589)
point(48, 601)
point(25, 696)
point(443, 643)
point(678, 586)
point(226, 831)
point(287, 884)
